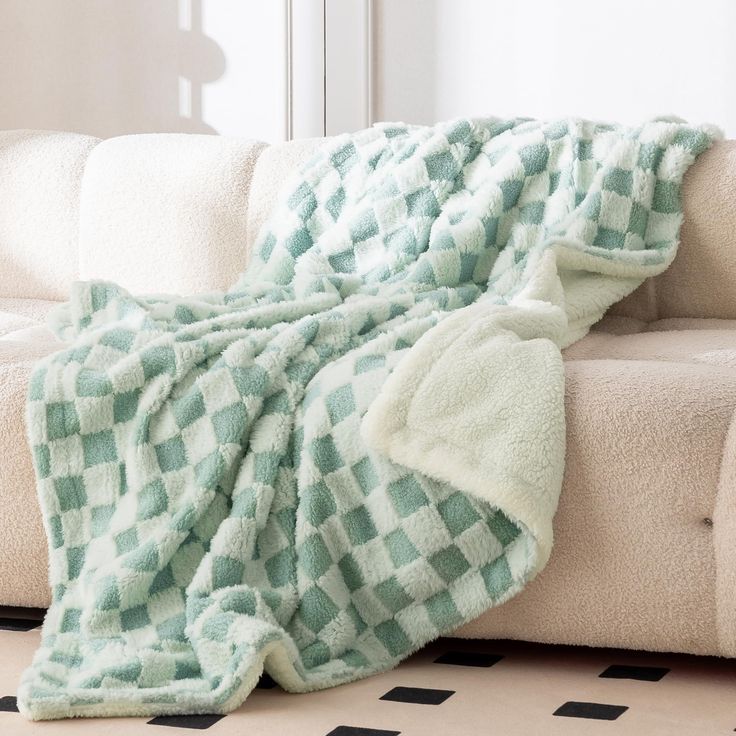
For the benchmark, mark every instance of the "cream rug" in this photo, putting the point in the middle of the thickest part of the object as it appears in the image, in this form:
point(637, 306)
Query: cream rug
point(453, 687)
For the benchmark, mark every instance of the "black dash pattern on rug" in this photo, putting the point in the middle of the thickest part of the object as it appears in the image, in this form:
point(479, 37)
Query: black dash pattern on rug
point(9, 704)
point(360, 731)
point(631, 672)
point(598, 711)
point(199, 722)
point(421, 695)
point(469, 659)
point(18, 624)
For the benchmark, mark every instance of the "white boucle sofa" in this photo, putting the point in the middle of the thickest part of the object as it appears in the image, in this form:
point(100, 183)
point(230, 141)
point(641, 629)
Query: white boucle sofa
point(644, 554)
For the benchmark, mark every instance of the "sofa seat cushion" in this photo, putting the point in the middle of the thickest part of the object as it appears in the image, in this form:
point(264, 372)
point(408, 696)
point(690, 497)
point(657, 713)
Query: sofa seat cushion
point(642, 556)
point(10, 322)
point(635, 561)
point(20, 314)
point(672, 340)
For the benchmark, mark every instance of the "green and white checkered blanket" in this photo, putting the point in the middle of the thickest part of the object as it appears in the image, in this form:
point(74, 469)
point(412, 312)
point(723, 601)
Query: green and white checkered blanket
point(360, 446)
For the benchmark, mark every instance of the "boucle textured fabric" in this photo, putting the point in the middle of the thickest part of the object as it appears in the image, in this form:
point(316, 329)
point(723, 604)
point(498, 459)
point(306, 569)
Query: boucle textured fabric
point(41, 175)
point(166, 212)
point(361, 445)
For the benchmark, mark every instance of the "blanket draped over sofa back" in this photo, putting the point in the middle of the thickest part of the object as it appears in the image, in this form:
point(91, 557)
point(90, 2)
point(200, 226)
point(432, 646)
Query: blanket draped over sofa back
point(357, 448)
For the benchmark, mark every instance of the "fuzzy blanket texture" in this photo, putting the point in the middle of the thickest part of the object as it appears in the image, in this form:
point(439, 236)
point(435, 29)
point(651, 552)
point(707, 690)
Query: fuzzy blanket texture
point(357, 448)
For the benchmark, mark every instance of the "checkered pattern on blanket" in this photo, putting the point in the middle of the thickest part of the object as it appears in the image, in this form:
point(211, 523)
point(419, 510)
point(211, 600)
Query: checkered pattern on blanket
point(209, 501)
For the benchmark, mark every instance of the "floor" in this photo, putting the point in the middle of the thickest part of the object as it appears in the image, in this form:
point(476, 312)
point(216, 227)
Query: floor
point(452, 688)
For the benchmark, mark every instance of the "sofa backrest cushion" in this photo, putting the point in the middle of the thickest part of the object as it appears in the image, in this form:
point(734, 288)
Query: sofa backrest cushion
point(178, 213)
point(40, 180)
point(166, 212)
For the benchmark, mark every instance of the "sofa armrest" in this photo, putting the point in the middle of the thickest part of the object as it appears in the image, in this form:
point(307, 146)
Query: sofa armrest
point(40, 179)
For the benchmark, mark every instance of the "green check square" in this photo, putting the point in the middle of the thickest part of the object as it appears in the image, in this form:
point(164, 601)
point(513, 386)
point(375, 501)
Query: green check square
point(279, 568)
point(74, 561)
point(93, 383)
point(365, 227)
point(118, 338)
point(298, 242)
point(70, 620)
point(534, 158)
point(344, 158)
point(189, 408)
point(250, 381)
point(163, 581)
point(393, 637)
point(369, 363)
point(158, 360)
point(99, 448)
point(144, 558)
point(511, 191)
point(325, 454)
point(442, 611)
point(340, 403)
point(440, 165)
point(343, 262)
point(365, 474)
point(126, 541)
point(532, 213)
point(226, 572)
point(619, 181)
point(392, 594)
point(171, 455)
point(407, 495)
point(56, 532)
point(314, 557)
point(457, 513)
point(638, 219)
point(335, 203)
point(108, 594)
point(315, 654)
point(503, 528)
point(317, 609)
point(125, 405)
point(134, 618)
point(61, 420)
point(42, 456)
point(450, 563)
point(208, 471)
point(228, 424)
point(359, 525)
point(71, 492)
point(666, 197)
point(497, 576)
point(152, 499)
point(351, 573)
point(100, 519)
point(422, 203)
point(400, 548)
point(318, 503)
point(607, 238)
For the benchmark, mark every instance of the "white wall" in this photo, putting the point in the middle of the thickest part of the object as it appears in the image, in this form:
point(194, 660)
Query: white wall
point(110, 67)
point(608, 59)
